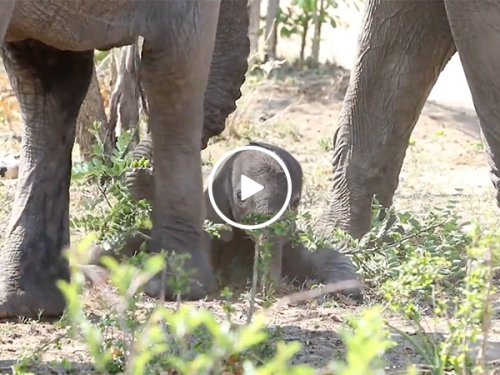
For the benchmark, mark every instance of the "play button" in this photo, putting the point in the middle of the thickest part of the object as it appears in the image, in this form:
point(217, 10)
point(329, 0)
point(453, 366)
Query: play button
point(249, 187)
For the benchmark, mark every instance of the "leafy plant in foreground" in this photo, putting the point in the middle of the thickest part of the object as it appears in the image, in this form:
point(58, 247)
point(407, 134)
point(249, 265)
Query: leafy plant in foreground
point(164, 340)
point(110, 213)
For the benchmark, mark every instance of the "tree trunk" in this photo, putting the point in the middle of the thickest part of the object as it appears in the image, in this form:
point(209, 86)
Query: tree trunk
point(272, 11)
point(317, 33)
point(126, 96)
point(275, 35)
point(92, 110)
point(303, 41)
point(253, 32)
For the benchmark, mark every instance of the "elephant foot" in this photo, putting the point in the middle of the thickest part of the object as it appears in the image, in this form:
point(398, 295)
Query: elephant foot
point(37, 302)
point(30, 267)
point(154, 288)
point(201, 279)
point(197, 289)
point(356, 294)
point(333, 267)
point(352, 290)
point(201, 284)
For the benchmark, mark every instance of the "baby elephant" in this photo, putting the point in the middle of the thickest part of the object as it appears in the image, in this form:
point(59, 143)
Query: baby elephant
point(266, 171)
point(257, 166)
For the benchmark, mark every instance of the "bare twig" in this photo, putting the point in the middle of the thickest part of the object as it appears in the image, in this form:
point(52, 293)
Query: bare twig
point(254, 279)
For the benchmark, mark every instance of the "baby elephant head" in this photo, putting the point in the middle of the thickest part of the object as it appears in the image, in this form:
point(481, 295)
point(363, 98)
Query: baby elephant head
point(266, 171)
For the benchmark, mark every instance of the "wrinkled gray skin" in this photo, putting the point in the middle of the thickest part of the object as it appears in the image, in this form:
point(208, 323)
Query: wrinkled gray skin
point(257, 166)
point(403, 47)
point(193, 64)
point(232, 261)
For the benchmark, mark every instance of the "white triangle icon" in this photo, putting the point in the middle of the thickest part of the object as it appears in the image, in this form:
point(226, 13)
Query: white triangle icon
point(249, 187)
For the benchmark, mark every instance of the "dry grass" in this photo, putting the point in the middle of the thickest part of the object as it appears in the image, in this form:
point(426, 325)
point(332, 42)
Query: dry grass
point(299, 113)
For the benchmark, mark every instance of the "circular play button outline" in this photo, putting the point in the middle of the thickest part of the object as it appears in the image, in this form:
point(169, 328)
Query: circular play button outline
point(288, 192)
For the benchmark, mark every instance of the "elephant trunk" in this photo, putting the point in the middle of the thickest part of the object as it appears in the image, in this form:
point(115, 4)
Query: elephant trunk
point(277, 238)
point(349, 208)
point(228, 68)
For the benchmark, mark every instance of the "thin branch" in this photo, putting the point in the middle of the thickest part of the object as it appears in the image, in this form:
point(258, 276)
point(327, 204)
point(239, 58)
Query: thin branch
point(395, 243)
point(255, 278)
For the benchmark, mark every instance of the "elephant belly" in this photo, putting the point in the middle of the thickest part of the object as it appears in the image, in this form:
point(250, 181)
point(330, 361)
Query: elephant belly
point(77, 25)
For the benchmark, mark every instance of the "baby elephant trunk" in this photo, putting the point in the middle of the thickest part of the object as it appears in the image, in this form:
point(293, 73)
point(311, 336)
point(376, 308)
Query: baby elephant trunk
point(275, 245)
point(274, 239)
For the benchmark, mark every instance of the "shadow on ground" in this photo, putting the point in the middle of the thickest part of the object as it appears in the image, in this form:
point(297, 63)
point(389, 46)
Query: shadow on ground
point(464, 119)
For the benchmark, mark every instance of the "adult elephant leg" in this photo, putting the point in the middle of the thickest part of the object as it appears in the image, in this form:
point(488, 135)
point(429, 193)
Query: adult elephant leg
point(403, 46)
point(227, 75)
point(175, 73)
point(50, 86)
point(474, 28)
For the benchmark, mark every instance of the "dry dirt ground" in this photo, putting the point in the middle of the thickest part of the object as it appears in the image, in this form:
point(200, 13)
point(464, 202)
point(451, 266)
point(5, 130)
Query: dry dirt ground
point(300, 113)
